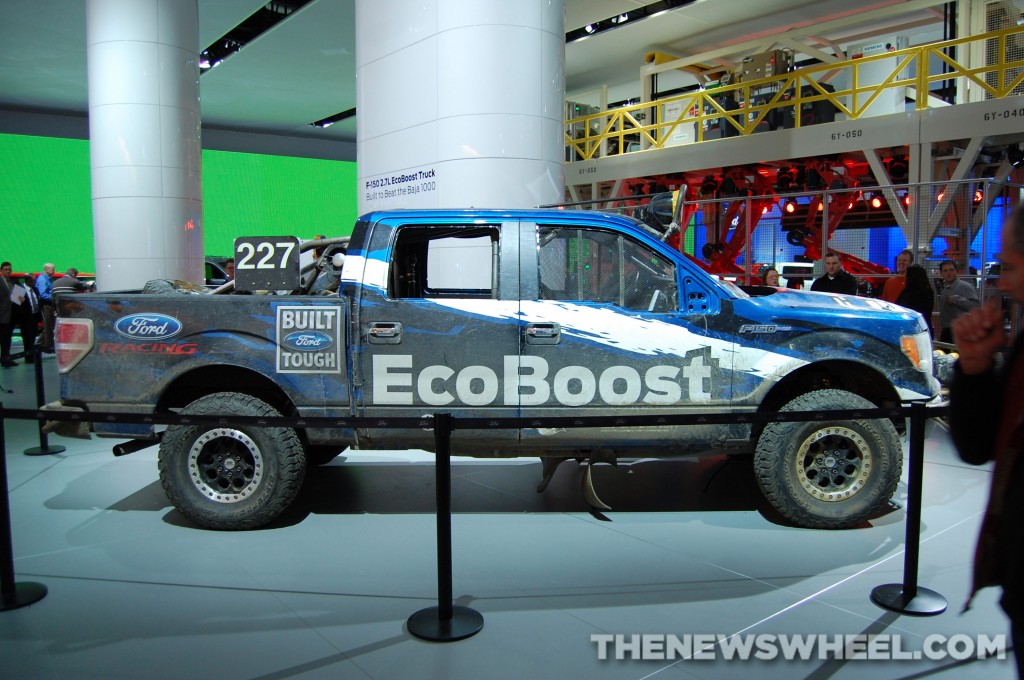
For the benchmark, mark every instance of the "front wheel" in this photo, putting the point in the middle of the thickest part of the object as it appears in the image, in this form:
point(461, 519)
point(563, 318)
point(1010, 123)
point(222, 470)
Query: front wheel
point(229, 476)
point(831, 475)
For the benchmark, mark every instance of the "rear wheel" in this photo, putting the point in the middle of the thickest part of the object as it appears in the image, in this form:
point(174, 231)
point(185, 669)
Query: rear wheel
point(228, 476)
point(831, 475)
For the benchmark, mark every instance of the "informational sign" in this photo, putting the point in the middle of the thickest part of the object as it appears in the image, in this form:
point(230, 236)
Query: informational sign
point(405, 189)
point(267, 263)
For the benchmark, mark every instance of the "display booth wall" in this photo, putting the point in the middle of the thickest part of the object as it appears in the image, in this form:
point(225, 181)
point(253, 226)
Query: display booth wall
point(47, 204)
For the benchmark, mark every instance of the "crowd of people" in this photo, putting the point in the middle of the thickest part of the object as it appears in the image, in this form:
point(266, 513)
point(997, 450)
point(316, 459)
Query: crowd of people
point(911, 287)
point(26, 304)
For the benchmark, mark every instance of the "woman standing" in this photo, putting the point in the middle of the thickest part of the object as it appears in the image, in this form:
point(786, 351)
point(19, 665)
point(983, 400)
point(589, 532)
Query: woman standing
point(917, 294)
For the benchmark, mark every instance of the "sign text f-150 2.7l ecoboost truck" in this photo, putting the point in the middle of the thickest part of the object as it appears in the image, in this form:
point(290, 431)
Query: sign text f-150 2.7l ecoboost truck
point(486, 313)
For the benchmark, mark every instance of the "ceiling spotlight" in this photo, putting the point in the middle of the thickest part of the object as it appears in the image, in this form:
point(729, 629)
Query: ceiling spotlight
point(589, 28)
point(1015, 155)
point(709, 186)
point(898, 169)
point(978, 197)
point(784, 179)
point(789, 207)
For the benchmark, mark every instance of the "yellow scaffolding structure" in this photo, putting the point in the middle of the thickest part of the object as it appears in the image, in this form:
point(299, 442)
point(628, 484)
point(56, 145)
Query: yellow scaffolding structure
point(915, 70)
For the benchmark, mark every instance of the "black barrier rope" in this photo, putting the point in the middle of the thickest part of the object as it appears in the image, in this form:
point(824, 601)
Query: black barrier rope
point(427, 422)
point(12, 594)
point(442, 623)
point(907, 597)
point(44, 448)
point(445, 622)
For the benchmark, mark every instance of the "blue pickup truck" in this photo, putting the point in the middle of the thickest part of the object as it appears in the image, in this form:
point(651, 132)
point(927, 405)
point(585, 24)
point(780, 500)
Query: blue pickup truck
point(488, 313)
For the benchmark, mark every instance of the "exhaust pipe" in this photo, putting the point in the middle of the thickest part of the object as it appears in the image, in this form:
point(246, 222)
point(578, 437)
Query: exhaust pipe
point(133, 445)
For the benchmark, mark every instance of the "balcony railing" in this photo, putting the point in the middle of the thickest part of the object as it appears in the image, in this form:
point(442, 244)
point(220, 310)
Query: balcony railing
point(924, 74)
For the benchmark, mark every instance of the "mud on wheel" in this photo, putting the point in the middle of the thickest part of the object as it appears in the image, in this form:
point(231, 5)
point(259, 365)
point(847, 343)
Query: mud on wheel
point(831, 475)
point(227, 476)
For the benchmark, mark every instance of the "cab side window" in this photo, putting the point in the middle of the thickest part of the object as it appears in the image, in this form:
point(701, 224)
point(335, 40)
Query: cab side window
point(600, 266)
point(437, 261)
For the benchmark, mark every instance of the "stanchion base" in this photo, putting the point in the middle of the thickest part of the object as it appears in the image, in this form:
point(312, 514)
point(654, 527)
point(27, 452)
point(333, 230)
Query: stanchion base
point(924, 603)
point(427, 624)
point(25, 593)
point(45, 450)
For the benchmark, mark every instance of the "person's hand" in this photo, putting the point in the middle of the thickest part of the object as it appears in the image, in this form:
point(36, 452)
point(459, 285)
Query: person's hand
point(979, 334)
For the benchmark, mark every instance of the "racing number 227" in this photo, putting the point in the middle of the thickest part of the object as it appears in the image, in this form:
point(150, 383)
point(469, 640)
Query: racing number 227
point(248, 252)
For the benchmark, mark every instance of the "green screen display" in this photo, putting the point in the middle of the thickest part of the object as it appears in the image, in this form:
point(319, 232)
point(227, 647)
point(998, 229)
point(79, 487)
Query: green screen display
point(46, 194)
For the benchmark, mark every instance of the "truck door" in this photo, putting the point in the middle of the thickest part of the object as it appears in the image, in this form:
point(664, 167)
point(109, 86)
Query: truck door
point(615, 328)
point(435, 336)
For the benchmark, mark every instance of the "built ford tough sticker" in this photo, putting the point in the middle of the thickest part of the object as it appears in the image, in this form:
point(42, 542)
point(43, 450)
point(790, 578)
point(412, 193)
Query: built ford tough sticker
point(308, 339)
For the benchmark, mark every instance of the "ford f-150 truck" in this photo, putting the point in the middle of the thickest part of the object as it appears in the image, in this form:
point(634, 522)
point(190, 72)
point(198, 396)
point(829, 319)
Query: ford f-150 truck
point(486, 313)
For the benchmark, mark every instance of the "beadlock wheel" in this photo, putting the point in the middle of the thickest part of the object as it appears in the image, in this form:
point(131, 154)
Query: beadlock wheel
point(225, 465)
point(828, 475)
point(231, 476)
point(833, 464)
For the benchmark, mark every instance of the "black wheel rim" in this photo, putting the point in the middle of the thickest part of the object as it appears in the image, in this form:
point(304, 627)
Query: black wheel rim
point(225, 465)
point(833, 463)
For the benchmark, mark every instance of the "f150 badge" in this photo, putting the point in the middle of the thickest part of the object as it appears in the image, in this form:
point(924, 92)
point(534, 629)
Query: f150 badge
point(309, 339)
point(763, 328)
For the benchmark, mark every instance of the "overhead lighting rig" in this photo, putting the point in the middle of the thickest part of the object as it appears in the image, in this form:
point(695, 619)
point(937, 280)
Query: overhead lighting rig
point(331, 120)
point(255, 25)
point(623, 18)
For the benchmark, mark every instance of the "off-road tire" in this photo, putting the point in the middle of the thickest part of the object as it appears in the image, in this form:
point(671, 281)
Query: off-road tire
point(231, 477)
point(833, 475)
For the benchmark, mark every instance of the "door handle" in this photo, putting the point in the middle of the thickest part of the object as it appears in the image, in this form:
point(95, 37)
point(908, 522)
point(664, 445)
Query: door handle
point(543, 333)
point(384, 332)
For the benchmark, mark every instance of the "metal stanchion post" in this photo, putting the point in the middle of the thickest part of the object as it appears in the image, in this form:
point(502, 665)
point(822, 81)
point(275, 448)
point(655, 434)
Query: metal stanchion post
point(445, 622)
point(12, 595)
point(908, 597)
point(44, 448)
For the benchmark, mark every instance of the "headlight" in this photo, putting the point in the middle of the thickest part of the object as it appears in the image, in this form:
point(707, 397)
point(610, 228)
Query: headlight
point(918, 348)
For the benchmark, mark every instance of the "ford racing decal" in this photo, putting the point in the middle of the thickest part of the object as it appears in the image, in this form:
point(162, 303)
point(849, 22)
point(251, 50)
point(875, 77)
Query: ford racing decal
point(309, 339)
point(147, 326)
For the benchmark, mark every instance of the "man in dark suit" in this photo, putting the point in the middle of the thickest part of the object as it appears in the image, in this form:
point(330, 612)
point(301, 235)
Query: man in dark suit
point(835, 279)
point(31, 314)
point(8, 315)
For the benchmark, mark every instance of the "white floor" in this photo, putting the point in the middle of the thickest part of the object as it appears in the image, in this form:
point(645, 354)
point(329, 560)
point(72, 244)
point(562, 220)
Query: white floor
point(134, 591)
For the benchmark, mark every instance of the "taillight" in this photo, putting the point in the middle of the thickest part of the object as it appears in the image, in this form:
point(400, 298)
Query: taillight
point(73, 340)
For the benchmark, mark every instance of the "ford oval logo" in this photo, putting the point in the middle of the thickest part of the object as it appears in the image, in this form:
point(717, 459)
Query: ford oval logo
point(148, 326)
point(307, 341)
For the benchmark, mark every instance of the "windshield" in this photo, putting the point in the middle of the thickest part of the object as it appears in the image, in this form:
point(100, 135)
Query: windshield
point(731, 287)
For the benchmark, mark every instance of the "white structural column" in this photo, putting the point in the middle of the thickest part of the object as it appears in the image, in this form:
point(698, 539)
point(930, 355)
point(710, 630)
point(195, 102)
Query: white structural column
point(145, 147)
point(460, 103)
